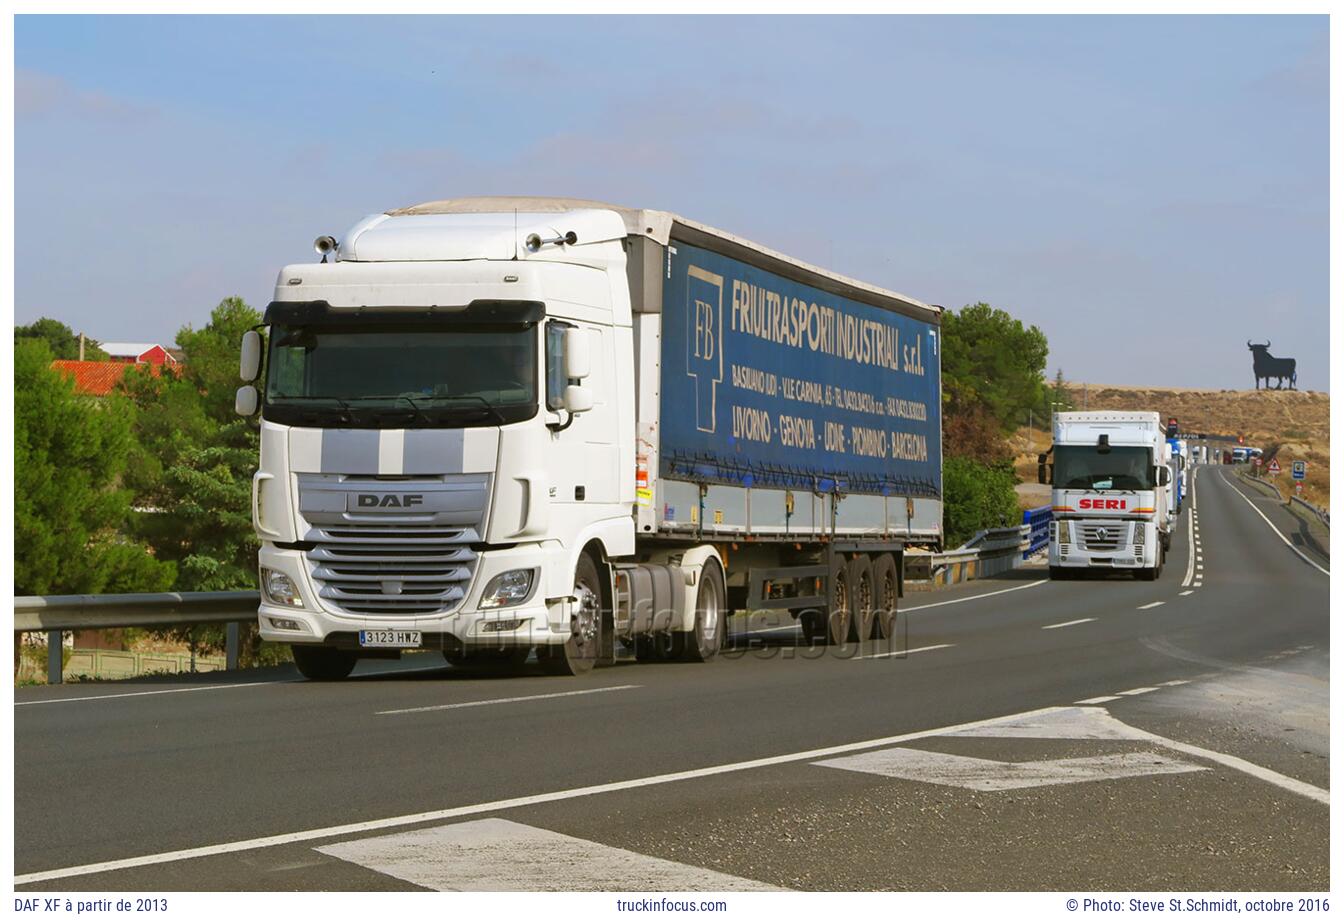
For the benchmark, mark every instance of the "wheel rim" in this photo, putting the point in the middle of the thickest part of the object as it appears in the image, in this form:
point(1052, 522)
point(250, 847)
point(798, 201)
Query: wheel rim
point(709, 616)
point(585, 624)
point(840, 611)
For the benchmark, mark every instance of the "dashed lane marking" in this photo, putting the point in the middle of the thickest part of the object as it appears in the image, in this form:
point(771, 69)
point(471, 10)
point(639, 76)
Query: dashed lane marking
point(507, 699)
point(1070, 623)
point(1184, 593)
point(1136, 691)
point(470, 857)
point(908, 651)
point(1097, 699)
point(1152, 605)
point(1173, 683)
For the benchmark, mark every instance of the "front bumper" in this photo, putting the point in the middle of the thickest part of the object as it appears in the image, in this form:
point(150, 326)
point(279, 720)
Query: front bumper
point(1125, 555)
point(533, 622)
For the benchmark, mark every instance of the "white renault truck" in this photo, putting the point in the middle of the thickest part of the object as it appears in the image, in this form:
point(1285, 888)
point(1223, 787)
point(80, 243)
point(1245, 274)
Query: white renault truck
point(497, 425)
point(1111, 493)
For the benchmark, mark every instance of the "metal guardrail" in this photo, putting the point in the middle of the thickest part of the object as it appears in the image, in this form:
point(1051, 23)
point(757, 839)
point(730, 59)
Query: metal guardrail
point(987, 553)
point(1321, 514)
point(58, 614)
point(1037, 521)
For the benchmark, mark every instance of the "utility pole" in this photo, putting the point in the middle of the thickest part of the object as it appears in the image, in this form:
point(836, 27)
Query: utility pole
point(81, 346)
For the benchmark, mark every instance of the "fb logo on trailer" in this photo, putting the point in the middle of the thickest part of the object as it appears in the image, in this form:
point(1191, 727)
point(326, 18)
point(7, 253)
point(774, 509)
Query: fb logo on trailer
point(704, 341)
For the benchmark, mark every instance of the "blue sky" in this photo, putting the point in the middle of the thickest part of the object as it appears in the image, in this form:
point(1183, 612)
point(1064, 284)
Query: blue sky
point(1150, 191)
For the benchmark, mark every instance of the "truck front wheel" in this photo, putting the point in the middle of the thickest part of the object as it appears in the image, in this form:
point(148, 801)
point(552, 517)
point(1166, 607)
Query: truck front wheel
point(580, 652)
point(317, 662)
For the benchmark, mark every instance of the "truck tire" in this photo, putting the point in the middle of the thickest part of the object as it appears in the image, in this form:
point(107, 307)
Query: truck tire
point(887, 581)
point(865, 598)
point(838, 614)
point(813, 624)
point(704, 641)
point(317, 662)
point(579, 654)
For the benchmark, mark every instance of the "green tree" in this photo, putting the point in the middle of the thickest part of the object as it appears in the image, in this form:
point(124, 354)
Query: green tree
point(197, 457)
point(60, 339)
point(977, 496)
point(70, 511)
point(195, 467)
point(991, 358)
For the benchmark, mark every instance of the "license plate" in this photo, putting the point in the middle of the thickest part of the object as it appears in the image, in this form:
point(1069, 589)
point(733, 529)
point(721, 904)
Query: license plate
point(389, 638)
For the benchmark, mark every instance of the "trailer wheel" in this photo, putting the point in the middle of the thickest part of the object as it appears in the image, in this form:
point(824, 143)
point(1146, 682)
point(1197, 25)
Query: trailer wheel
point(317, 662)
point(706, 637)
point(887, 580)
point(580, 652)
point(839, 615)
point(865, 598)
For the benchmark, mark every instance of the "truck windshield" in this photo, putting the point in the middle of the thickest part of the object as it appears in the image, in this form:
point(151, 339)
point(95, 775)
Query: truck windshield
point(403, 377)
point(1088, 467)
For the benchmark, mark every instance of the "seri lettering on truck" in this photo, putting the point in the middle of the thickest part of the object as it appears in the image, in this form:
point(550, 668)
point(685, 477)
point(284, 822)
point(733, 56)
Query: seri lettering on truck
point(1102, 504)
point(822, 392)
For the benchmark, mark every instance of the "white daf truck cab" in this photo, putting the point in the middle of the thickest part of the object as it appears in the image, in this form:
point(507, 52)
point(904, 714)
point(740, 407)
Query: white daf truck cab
point(497, 425)
point(1111, 482)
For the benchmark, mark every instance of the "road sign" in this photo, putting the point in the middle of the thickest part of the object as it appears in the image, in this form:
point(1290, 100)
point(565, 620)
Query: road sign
point(1299, 469)
point(1274, 467)
point(1298, 485)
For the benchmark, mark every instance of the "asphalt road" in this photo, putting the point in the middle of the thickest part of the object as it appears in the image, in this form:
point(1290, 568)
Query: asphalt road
point(1078, 735)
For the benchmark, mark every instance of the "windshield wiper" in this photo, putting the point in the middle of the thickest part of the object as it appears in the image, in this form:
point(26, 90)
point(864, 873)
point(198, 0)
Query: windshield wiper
point(485, 404)
point(347, 411)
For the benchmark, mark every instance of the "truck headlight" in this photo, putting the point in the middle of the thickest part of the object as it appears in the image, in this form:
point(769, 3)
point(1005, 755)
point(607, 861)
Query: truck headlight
point(1064, 535)
point(507, 588)
point(279, 588)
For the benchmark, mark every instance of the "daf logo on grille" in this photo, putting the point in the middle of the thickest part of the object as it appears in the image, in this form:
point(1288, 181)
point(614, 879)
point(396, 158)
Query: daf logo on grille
point(391, 500)
point(1103, 534)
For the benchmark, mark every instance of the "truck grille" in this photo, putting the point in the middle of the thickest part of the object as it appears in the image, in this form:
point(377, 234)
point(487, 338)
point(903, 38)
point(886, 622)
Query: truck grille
point(393, 569)
point(1104, 537)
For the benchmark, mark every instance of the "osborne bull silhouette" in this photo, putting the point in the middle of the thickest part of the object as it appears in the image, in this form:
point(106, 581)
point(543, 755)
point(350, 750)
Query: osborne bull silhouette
point(1266, 366)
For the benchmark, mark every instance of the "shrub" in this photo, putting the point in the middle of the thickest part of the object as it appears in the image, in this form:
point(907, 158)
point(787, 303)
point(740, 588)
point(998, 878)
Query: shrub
point(977, 496)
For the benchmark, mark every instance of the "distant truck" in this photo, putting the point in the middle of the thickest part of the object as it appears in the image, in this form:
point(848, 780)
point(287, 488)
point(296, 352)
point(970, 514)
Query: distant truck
point(1111, 492)
point(493, 425)
point(1180, 462)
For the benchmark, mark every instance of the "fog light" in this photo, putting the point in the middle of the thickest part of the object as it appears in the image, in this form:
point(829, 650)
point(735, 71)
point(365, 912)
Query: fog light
point(507, 589)
point(279, 589)
point(291, 625)
point(501, 625)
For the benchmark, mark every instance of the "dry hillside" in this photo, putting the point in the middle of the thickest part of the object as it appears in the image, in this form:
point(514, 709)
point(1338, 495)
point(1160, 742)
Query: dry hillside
point(1295, 424)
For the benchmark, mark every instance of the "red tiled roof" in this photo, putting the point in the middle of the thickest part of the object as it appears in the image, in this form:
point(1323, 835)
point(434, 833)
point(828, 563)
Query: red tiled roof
point(98, 378)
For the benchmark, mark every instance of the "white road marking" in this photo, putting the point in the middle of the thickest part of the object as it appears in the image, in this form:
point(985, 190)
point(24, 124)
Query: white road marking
point(792, 627)
point(492, 854)
point(1190, 562)
point(1136, 691)
point(1200, 567)
point(447, 814)
point(1300, 554)
point(507, 699)
point(1173, 683)
point(255, 683)
point(1198, 584)
point(1069, 623)
point(1315, 793)
point(1184, 593)
point(976, 597)
point(1152, 605)
point(1097, 699)
point(908, 651)
point(121, 696)
point(995, 775)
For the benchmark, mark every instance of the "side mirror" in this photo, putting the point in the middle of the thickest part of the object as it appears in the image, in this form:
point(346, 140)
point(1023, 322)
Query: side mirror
point(249, 362)
point(577, 360)
point(577, 399)
point(245, 401)
point(1043, 459)
point(1163, 476)
point(1041, 475)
